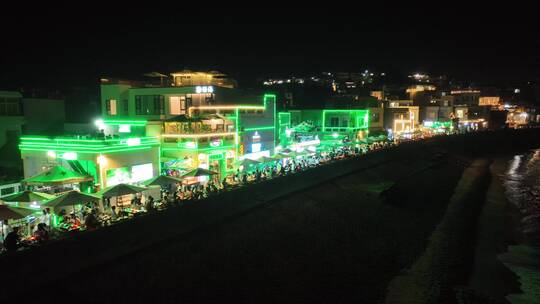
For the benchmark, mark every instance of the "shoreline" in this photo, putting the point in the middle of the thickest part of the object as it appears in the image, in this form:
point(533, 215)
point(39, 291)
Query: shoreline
point(489, 277)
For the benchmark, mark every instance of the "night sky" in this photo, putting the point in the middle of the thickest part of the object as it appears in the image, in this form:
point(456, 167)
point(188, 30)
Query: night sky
point(59, 49)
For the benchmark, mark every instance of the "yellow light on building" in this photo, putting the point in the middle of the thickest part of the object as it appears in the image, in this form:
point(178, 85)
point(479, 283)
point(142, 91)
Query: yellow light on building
point(377, 94)
point(489, 101)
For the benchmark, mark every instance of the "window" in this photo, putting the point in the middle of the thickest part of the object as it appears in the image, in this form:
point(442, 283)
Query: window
point(138, 105)
point(183, 108)
point(209, 99)
point(334, 122)
point(126, 106)
point(159, 105)
point(149, 105)
point(6, 191)
point(10, 106)
point(111, 107)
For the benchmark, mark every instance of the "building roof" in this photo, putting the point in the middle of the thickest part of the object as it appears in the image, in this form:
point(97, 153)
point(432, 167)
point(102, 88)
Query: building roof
point(10, 94)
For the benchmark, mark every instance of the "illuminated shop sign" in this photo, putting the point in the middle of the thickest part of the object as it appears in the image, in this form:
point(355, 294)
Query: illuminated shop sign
point(255, 147)
point(256, 137)
point(215, 142)
point(124, 128)
point(69, 156)
point(141, 173)
point(127, 175)
point(118, 176)
point(204, 89)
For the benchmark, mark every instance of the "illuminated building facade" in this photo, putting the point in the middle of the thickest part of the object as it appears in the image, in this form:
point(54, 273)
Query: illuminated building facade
point(437, 114)
point(146, 129)
point(201, 120)
point(413, 91)
point(110, 160)
point(466, 97)
point(215, 137)
point(376, 119)
point(401, 116)
point(192, 78)
point(489, 101)
point(519, 116)
point(314, 129)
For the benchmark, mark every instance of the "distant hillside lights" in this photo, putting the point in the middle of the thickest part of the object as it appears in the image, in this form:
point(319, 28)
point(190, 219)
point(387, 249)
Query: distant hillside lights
point(271, 82)
point(420, 77)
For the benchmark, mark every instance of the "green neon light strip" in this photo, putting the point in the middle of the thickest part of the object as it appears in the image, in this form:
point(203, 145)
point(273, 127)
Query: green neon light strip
point(236, 107)
point(159, 160)
point(259, 128)
point(92, 146)
point(203, 149)
point(275, 116)
point(88, 152)
point(84, 140)
point(236, 138)
point(125, 122)
point(78, 148)
point(77, 139)
point(51, 146)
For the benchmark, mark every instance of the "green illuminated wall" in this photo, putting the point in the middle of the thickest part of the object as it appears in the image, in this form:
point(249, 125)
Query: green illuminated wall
point(354, 120)
point(282, 124)
point(88, 146)
point(263, 124)
point(332, 119)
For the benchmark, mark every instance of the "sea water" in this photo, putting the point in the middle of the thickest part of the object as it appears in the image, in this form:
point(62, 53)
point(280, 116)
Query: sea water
point(521, 181)
point(522, 188)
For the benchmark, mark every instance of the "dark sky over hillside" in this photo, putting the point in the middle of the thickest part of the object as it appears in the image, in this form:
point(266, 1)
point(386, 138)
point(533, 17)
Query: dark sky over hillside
point(65, 48)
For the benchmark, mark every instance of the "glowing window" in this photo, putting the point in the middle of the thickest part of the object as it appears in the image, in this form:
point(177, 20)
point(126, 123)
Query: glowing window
point(174, 105)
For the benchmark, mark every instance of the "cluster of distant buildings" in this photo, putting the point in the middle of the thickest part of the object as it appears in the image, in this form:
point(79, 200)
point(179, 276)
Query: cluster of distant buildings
point(169, 124)
point(419, 102)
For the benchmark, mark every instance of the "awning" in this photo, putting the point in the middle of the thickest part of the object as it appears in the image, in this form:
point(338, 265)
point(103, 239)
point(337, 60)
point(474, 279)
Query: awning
point(119, 190)
point(71, 198)
point(27, 197)
point(162, 180)
point(14, 213)
point(199, 172)
point(57, 175)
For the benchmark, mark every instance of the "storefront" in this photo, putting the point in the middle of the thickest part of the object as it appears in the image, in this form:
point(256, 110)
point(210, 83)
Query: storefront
point(109, 161)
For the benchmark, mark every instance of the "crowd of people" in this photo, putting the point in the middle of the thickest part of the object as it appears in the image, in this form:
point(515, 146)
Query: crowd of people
point(91, 216)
